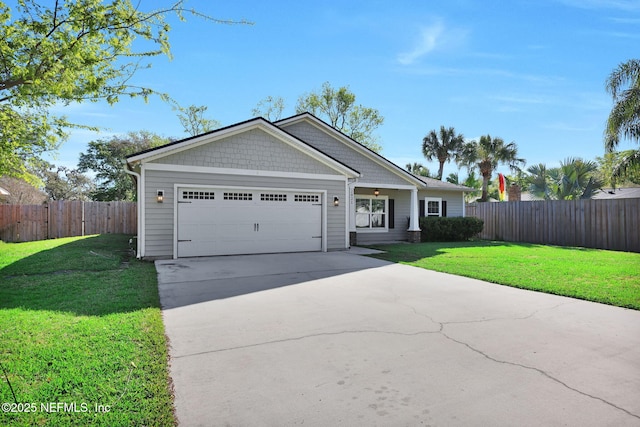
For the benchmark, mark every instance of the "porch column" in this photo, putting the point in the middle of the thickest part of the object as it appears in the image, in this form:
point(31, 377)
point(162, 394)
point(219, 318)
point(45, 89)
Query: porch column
point(352, 215)
point(414, 224)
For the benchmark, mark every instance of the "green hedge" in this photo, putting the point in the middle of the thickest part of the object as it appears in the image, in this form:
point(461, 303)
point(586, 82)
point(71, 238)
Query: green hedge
point(453, 229)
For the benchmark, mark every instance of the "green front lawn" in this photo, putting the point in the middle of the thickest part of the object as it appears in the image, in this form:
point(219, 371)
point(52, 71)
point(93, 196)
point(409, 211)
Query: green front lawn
point(608, 277)
point(81, 335)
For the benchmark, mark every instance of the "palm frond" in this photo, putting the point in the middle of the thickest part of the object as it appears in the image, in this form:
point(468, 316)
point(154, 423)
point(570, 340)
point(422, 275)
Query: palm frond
point(627, 162)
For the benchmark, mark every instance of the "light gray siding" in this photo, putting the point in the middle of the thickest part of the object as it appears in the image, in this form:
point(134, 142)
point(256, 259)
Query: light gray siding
point(371, 172)
point(159, 218)
point(254, 149)
point(403, 211)
point(453, 198)
point(402, 203)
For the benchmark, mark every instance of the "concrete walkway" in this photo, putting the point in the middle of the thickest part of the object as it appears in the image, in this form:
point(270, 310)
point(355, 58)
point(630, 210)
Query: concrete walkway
point(343, 340)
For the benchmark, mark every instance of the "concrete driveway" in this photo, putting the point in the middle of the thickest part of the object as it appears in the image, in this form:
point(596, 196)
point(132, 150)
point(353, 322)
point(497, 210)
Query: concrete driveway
point(327, 339)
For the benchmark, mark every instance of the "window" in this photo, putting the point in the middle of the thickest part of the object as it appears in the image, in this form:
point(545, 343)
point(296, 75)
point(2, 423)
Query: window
point(371, 213)
point(308, 198)
point(238, 196)
point(268, 197)
point(433, 206)
point(201, 195)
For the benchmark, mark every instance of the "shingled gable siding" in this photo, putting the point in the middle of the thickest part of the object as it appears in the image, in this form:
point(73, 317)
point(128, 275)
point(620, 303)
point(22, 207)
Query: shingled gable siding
point(371, 172)
point(254, 149)
point(402, 203)
point(159, 216)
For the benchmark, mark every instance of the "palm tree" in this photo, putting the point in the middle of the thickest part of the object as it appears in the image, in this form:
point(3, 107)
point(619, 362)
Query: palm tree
point(472, 182)
point(444, 146)
point(574, 179)
point(486, 155)
point(418, 169)
point(624, 120)
point(538, 181)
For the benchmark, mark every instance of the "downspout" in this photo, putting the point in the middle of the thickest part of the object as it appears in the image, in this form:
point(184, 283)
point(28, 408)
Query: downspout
point(137, 178)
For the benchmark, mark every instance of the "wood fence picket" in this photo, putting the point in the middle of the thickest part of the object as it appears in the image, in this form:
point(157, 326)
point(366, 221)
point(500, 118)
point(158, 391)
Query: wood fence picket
point(66, 218)
point(603, 224)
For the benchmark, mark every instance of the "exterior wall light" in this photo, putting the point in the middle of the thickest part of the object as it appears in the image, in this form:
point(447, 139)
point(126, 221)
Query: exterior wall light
point(160, 196)
point(376, 192)
point(336, 201)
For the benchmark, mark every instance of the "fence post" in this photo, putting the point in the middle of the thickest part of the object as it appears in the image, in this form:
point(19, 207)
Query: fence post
point(82, 218)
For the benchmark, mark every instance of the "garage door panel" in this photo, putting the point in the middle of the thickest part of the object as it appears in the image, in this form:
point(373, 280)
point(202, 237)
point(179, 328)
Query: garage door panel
point(243, 221)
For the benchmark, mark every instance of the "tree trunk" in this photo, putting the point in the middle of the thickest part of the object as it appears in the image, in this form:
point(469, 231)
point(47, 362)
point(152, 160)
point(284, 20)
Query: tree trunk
point(486, 175)
point(440, 170)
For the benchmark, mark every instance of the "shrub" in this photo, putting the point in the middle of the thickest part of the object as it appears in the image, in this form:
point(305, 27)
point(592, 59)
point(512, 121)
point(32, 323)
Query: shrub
point(454, 229)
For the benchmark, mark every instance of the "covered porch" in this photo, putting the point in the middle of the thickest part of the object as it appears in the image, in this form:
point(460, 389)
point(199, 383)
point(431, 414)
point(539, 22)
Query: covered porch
point(380, 213)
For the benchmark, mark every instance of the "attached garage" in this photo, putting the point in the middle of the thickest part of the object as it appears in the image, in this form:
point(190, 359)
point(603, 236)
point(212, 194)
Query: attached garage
point(250, 188)
point(232, 221)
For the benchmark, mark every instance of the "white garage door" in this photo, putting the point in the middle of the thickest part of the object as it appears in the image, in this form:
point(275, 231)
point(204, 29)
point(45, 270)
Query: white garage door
point(233, 221)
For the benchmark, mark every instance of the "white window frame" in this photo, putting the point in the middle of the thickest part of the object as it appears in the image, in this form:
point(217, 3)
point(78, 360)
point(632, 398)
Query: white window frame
point(426, 206)
point(384, 229)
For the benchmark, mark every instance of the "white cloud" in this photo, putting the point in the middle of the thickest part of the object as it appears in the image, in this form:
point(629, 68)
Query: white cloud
point(432, 37)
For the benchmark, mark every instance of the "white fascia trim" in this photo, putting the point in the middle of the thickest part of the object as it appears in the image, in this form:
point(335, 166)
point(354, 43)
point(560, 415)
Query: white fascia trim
point(244, 127)
point(177, 186)
point(386, 186)
point(244, 172)
point(139, 217)
point(452, 190)
point(347, 219)
point(142, 201)
point(464, 206)
point(382, 161)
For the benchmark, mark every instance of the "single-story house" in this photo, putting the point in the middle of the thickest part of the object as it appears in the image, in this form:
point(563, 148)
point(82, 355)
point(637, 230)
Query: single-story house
point(618, 193)
point(292, 185)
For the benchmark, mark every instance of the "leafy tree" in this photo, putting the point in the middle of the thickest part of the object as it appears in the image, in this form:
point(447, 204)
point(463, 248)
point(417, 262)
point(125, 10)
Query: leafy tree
point(193, 121)
point(443, 146)
point(21, 192)
point(62, 183)
point(418, 169)
point(270, 108)
point(105, 158)
point(610, 161)
point(69, 51)
point(486, 154)
point(624, 120)
point(574, 179)
point(453, 178)
point(472, 181)
point(338, 107)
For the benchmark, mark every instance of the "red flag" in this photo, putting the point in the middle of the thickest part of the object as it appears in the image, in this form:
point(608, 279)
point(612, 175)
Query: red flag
point(502, 186)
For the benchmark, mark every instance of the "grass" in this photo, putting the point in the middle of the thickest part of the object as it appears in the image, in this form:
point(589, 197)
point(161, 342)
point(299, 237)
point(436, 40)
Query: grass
point(80, 324)
point(607, 277)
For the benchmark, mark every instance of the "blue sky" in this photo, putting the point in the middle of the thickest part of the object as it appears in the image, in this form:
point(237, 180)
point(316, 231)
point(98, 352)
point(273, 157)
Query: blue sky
point(528, 71)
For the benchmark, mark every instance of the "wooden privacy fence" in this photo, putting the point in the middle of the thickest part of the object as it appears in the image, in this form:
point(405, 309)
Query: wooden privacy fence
point(602, 224)
point(25, 223)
